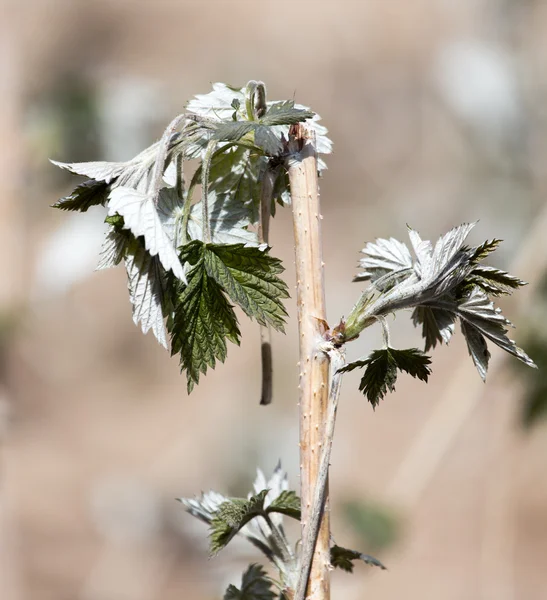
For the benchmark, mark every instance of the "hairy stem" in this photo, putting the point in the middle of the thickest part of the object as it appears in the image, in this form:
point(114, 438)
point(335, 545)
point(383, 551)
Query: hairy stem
point(302, 168)
point(266, 194)
point(337, 361)
point(206, 165)
point(163, 148)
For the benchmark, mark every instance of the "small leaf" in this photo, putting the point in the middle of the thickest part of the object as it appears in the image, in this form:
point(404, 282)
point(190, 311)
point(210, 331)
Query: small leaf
point(479, 313)
point(437, 325)
point(342, 558)
point(232, 131)
point(287, 503)
point(482, 251)
point(87, 194)
point(255, 585)
point(285, 113)
point(114, 248)
point(383, 257)
point(478, 350)
point(205, 507)
point(381, 370)
point(146, 290)
point(494, 281)
point(231, 517)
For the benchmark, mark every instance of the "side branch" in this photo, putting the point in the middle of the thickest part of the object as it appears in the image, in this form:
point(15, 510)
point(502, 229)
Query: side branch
point(337, 361)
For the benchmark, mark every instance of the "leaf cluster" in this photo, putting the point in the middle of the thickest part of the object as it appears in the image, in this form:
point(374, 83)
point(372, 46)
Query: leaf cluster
point(259, 519)
point(188, 261)
point(442, 283)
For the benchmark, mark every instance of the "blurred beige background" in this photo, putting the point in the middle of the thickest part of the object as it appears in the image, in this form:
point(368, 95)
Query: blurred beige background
point(437, 112)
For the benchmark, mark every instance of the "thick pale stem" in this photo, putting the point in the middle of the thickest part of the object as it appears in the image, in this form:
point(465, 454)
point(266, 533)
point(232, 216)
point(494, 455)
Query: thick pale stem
point(314, 364)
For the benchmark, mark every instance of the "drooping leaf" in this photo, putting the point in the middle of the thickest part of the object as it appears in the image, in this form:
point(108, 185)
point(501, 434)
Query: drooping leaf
point(478, 350)
point(232, 516)
point(144, 218)
point(437, 325)
point(114, 248)
point(87, 194)
point(202, 320)
point(255, 585)
point(287, 503)
point(146, 290)
point(381, 370)
point(480, 314)
point(342, 558)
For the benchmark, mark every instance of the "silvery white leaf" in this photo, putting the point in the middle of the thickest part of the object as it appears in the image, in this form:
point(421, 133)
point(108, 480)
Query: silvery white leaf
point(145, 275)
point(113, 249)
point(135, 173)
point(478, 350)
point(423, 251)
point(278, 482)
point(228, 223)
point(446, 248)
point(479, 312)
point(204, 508)
point(383, 256)
point(142, 217)
point(98, 170)
point(218, 103)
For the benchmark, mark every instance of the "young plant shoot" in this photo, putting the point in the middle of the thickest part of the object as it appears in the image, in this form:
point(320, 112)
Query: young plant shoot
point(190, 259)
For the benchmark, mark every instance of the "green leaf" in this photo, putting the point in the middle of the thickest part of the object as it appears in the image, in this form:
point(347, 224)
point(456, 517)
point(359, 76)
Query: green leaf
point(437, 325)
point(285, 113)
point(482, 251)
point(87, 194)
point(232, 131)
point(342, 558)
point(202, 319)
point(287, 503)
point(494, 281)
point(255, 585)
point(231, 517)
point(249, 277)
point(381, 370)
